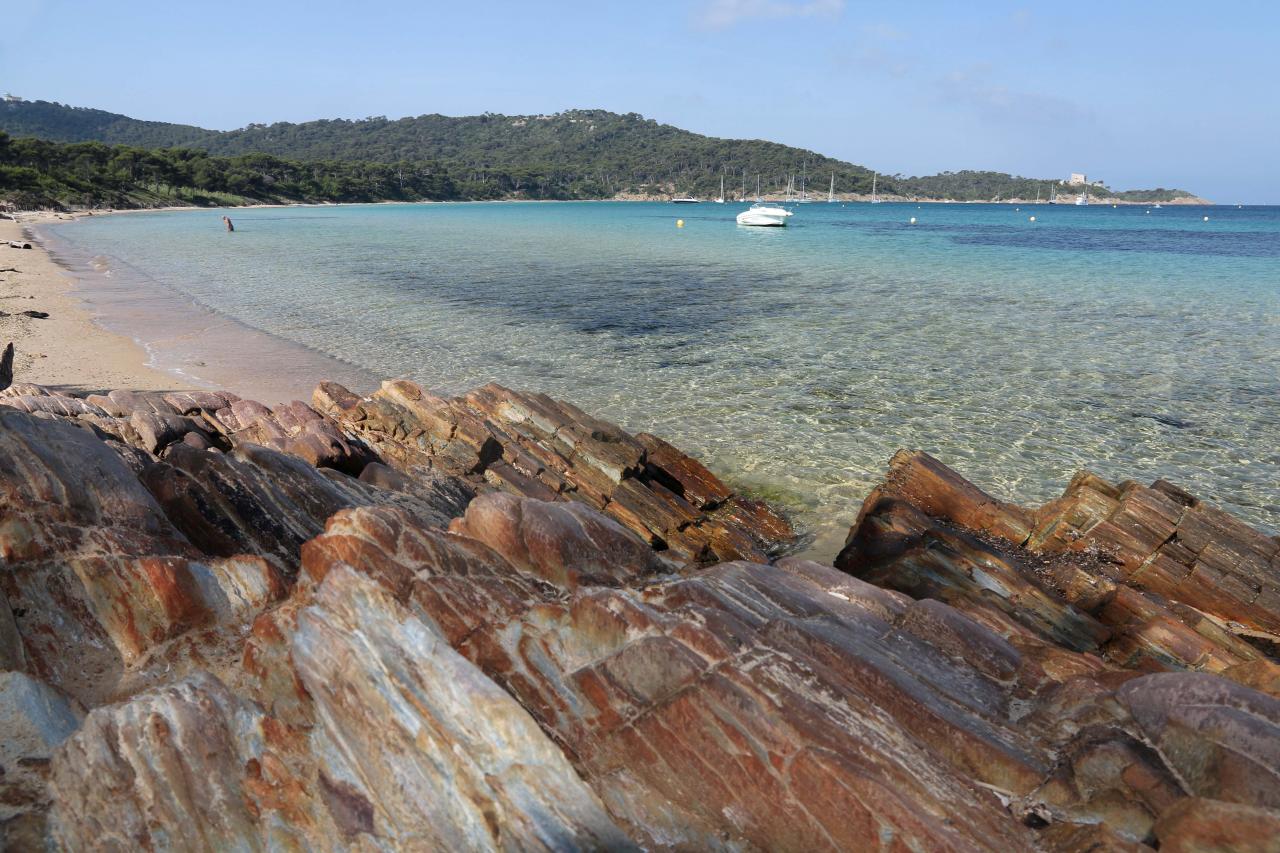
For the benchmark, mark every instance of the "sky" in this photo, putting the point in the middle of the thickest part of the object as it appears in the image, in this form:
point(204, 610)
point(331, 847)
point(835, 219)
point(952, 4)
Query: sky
point(1136, 93)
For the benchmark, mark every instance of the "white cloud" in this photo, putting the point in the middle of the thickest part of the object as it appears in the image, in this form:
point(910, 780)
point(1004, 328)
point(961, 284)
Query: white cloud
point(719, 14)
point(994, 101)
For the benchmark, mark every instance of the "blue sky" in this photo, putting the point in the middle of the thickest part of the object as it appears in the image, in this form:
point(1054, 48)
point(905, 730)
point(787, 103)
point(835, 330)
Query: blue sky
point(1136, 93)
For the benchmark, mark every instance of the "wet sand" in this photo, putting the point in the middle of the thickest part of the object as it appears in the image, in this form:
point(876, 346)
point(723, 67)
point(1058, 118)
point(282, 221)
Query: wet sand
point(67, 350)
point(106, 330)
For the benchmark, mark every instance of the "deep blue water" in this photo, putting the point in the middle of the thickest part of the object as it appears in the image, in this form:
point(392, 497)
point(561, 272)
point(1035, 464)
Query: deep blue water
point(1138, 344)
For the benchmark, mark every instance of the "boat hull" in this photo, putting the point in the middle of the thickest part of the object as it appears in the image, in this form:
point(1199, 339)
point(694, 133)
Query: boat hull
point(772, 218)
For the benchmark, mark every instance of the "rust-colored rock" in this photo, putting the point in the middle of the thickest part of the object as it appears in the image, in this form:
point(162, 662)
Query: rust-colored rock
point(533, 446)
point(299, 627)
point(1148, 578)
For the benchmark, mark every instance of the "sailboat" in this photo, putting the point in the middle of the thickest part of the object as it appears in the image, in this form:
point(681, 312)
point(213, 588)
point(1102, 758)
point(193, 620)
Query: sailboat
point(720, 200)
point(831, 193)
point(762, 214)
point(804, 196)
point(874, 176)
point(1053, 195)
point(743, 197)
point(1083, 200)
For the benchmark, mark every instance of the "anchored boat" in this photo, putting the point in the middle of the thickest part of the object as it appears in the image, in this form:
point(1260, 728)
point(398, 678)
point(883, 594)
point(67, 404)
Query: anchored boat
point(763, 213)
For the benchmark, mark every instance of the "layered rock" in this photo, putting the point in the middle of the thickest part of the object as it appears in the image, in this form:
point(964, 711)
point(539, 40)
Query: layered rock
point(300, 627)
point(147, 537)
point(796, 707)
point(534, 446)
point(1148, 578)
point(411, 748)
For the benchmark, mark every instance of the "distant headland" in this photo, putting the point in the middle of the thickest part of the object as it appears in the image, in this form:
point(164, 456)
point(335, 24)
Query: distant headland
point(58, 156)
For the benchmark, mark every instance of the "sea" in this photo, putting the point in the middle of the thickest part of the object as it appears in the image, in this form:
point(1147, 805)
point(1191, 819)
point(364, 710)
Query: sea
point(1017, 343)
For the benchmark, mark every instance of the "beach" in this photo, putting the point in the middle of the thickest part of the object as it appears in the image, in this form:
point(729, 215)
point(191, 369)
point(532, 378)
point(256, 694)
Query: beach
point(67, 349)
point(108, 330)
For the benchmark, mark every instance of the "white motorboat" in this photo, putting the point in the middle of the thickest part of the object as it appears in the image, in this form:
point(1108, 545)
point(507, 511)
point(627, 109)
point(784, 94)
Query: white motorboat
point(686, 200)
point(763, 213)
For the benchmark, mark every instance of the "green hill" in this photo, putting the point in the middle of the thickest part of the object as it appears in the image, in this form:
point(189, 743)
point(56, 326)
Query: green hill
point(575, 154)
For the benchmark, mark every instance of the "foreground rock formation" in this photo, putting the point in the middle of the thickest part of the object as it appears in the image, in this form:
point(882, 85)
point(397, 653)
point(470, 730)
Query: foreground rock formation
point(494, 622)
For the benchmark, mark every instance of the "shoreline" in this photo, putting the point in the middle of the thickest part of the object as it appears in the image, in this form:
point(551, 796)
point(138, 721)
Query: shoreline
point(67, 350)
point(91, 342)
point(81, 348)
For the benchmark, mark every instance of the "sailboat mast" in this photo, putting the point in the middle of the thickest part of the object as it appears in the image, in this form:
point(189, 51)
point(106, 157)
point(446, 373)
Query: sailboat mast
point(831, 193)
point(757, 186)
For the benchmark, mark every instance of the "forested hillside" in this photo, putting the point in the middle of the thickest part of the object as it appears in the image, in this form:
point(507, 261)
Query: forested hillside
point(576, 154)
point(36, 173)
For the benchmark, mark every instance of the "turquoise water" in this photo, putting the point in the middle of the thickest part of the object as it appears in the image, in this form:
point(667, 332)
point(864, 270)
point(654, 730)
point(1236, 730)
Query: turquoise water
point(797, 360)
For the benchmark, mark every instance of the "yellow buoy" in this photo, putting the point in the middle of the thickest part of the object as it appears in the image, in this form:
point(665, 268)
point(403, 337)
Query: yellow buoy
point(679, 223)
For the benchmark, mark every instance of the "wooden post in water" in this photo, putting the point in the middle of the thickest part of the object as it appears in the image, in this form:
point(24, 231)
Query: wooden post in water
point(226, 220)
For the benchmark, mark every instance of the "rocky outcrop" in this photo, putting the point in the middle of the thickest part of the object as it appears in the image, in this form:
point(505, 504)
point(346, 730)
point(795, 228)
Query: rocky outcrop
point(717, 709)
point(1146, 577)
point(533, 446)
point(144, 536)
point(494, 622)
point(411, 747)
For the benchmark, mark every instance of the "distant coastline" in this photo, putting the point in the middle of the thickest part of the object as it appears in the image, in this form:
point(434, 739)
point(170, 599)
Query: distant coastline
point(59, 157)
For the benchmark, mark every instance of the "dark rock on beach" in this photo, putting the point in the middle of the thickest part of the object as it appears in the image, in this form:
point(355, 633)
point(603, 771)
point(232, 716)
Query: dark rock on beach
point(494, 621)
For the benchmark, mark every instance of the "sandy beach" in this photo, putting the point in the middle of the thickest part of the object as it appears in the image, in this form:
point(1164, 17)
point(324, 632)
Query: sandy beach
point(66, 350)
point(93, 341)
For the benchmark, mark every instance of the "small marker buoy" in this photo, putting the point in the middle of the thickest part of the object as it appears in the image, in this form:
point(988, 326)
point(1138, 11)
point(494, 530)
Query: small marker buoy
point(679, 223)
point(913, 220)
point(1206, 219)
point(1033, 219)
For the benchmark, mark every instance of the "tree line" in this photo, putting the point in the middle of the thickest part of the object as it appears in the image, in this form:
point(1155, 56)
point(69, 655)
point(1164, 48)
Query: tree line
point(580, 154)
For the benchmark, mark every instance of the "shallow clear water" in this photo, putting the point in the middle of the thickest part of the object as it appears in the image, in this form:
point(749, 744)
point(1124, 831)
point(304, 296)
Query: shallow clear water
point(794, 360)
